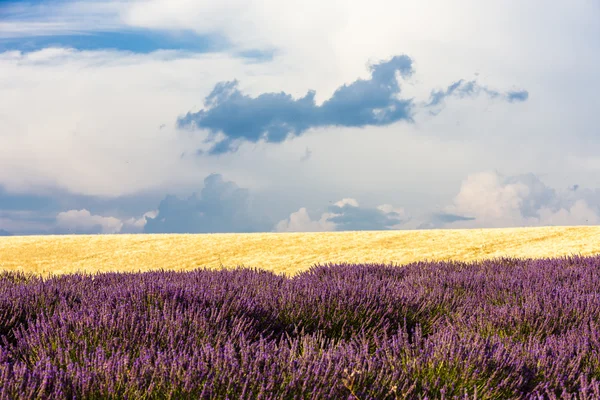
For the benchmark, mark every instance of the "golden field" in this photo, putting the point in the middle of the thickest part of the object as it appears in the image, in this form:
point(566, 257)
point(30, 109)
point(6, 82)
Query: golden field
point(287, 253)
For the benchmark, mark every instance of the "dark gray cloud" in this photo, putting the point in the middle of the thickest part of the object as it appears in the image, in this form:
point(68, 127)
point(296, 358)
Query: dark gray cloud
point(344, 215)
point(22, 223)
point(222, 207)
point(439, 220)
point(276, 116)
point(25, 201)
point(449, 218)
point(5, 233)
point(35, 213)
point(27, 213)
point(52, 200)
point(257, 56)
point(353, 218)
point(427, 225)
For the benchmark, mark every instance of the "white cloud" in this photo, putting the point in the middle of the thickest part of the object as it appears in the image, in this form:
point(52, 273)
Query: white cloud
point(82, 220)
point(484, 195)
point(388, 208)
point(137, 225)
point(299, 221)
point(116, 104)
point(355, 216)
point(579, 213)
point(498, 202)
point(345, 201)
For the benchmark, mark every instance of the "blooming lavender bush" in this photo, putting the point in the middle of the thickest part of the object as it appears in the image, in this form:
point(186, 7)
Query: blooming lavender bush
point(498, 329)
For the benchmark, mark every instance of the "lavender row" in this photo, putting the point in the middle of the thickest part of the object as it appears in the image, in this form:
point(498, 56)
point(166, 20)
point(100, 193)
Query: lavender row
point(498, 329)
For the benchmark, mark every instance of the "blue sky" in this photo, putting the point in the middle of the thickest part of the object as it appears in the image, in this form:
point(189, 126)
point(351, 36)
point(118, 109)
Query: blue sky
point(137, 41)
point(169, 116)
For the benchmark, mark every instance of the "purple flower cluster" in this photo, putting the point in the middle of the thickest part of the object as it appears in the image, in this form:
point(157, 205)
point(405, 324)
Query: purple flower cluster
point(498, 329)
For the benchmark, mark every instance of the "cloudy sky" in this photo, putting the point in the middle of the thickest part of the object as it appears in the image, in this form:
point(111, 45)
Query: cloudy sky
point(177, 116)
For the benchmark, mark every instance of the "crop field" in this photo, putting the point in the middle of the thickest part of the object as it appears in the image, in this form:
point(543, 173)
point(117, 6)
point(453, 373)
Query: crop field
point(465, 314)
point(285, 253)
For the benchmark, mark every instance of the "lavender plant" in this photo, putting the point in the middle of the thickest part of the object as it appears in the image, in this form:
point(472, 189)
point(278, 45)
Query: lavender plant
point(497, 329)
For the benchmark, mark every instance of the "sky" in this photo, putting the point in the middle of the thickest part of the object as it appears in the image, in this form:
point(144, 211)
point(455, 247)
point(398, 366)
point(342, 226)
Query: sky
point(181, 116)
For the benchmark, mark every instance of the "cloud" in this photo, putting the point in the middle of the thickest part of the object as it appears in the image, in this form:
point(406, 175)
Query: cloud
point(275, 116)
point(133, 225)
point(464, 88)
point(41, 142)
point(81, 221)
point(520, 95)
point(485, 200)
point(306, 155)
point(488, 196)
point(101, 132)
point(84, 222)
point(5, 233)
point(34, 212)
point(350, 217)
point(35, 19)
point(26, 222)
point(344, 215)
point(221, 207)
point(24, 201)
point(300, 221)
point(101, 25)
point(449, 218)
point(490, 200)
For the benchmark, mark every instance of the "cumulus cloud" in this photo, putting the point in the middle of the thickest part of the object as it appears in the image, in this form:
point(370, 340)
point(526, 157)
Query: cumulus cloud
point(300, 221)
point(579, 213)
point(491, 200)
point(273, 116)
point(35, 211)
point(344, 215)
point(485, 200)
point(82, 221)
point(133, 225)
point(276, 116)
point(221, 208)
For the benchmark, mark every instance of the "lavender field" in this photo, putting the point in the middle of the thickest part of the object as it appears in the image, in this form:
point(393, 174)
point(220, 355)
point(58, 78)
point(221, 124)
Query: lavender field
point(499, 329)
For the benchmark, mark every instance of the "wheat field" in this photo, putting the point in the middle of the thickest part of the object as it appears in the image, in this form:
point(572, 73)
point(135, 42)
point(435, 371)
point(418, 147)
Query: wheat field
point(286, 253)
